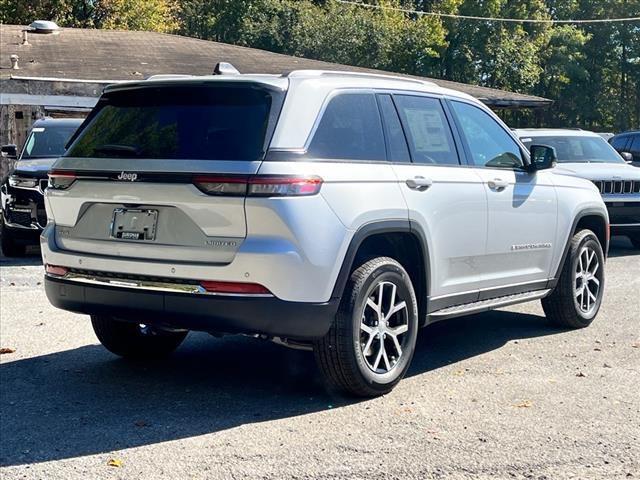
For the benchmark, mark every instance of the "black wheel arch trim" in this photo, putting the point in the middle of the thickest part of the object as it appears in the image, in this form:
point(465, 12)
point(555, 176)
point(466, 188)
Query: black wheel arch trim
point(375, 228)
point(588, 212)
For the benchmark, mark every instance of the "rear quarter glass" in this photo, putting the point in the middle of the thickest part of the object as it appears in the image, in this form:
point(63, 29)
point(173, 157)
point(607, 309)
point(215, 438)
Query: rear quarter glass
point(188, 122)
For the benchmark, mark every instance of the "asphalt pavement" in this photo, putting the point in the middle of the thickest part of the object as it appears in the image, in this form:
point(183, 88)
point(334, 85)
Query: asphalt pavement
point(500, 395)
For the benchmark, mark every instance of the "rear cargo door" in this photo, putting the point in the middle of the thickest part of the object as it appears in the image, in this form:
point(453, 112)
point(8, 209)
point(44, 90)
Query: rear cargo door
point(159, 171)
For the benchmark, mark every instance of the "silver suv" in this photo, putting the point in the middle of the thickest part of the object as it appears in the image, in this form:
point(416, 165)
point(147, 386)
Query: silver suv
point(330, 211)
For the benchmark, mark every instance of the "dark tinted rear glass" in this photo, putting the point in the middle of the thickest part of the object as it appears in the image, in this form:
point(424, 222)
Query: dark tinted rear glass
point(192, 122)
point(350, 129)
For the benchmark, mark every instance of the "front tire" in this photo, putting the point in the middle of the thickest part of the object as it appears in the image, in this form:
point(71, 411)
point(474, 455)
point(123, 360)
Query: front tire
point(369, 348)
point(9, 246)
point(135, 341)
point(576, 300)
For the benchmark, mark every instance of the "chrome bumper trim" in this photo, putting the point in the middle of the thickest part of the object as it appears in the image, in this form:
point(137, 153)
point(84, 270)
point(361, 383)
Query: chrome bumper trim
point(148, 285)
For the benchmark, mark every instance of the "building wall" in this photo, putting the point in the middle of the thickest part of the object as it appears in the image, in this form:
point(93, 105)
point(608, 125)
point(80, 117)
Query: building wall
point(43, 97)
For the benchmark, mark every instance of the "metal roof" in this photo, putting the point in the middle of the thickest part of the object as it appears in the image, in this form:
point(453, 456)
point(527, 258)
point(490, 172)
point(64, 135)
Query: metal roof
point(89, 54)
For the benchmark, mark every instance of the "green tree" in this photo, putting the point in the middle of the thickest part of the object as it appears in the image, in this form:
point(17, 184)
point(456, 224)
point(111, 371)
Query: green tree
point(156, 15)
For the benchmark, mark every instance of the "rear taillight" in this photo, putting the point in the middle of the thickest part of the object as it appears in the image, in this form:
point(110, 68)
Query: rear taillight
point(237, 288)
point(61, 179)
point(221, 185)
point(55, 270)
point(258, 186)
point(284, 186)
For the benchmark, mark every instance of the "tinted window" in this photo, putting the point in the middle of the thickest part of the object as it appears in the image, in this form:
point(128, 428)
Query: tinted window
point(350, 129)
point(489, 144)
point(576, 149)
point(619, 142)
point(397, 149)
point(427, 130)
point(47, 141)
point(212, 123)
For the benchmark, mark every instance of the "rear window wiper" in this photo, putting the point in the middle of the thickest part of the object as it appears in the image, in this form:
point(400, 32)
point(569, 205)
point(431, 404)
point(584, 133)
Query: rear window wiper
point(117, 148)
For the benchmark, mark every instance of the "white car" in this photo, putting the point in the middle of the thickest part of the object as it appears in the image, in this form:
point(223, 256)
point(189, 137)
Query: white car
point(585, 154)
point(330, 211)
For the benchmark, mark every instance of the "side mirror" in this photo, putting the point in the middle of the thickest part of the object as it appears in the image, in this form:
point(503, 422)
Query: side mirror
point(9, 151)
point(627, 157)
point(543, 157)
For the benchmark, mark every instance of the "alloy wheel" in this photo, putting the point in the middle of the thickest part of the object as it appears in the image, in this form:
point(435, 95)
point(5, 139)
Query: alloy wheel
point(384, 327)
point(587, 280)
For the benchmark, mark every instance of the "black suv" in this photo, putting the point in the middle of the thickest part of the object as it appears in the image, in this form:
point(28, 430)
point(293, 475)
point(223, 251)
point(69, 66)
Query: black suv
point(23, 212)
point(628, 143)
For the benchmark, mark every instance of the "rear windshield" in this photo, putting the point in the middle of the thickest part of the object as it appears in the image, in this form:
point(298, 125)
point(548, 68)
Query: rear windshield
point(576, 149)
point(48, 141)
point(191, 123)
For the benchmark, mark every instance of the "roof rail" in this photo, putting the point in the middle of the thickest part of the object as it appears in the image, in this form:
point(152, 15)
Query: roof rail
point(338, 73)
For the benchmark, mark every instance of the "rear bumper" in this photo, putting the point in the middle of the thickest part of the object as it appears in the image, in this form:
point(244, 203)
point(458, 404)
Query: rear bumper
point(268, 316)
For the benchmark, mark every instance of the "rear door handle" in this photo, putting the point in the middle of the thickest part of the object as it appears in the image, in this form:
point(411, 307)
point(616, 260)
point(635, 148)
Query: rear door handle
point(419, 183)
point(498, 184)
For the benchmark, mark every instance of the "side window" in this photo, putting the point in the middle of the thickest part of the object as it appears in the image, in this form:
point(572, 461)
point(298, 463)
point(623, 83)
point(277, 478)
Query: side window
point(350, 129)
point(427, 129)
point(489, 145)
point(619, 143)
point(635, 145)
point(397, 149)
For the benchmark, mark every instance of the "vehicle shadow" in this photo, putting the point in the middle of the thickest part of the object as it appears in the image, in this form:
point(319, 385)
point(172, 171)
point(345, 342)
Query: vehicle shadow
point(622, 247)
point(32, 258)
point(86, 401)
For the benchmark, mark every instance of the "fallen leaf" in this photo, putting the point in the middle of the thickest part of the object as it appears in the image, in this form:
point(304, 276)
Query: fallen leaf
point(114, 462)
point(525, 404)
point(458, 373)
point(635, 345)
point(580, 374)
point(606, 365)
point(4, 350)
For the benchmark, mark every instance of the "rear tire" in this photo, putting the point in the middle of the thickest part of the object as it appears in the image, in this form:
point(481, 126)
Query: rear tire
point(576, 300)
point(369, 347)
point(131, 340)
point(9, 246)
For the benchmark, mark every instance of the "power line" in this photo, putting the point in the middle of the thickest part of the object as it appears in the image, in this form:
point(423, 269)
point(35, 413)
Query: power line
point(488, 19)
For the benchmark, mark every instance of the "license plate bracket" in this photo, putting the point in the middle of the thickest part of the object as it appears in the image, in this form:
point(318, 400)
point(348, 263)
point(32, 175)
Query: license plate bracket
point(134, 224)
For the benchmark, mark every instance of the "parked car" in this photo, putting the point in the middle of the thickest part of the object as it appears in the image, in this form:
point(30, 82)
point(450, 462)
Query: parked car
point(587, 155)
point(329, 211)
point(23, 211)
point(628, 145)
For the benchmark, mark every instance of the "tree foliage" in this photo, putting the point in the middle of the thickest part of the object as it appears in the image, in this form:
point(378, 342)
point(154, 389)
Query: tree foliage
point(591, 71)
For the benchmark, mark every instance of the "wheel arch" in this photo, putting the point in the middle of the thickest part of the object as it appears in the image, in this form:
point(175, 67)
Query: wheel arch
point(402, 240)
point(593, 219)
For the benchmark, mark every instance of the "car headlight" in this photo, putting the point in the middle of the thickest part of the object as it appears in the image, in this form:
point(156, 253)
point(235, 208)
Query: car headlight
point(16, 181)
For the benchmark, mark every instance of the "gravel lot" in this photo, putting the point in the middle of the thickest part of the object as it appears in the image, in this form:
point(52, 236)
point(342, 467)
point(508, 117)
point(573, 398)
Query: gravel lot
point(496, 395)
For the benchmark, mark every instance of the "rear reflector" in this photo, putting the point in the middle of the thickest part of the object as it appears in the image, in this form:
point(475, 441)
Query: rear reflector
point(234, 288)
point(56, 271)
point(61, 179)
point(258, 186)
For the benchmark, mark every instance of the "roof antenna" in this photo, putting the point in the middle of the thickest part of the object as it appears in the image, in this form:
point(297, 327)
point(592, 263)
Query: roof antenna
point(225, 68)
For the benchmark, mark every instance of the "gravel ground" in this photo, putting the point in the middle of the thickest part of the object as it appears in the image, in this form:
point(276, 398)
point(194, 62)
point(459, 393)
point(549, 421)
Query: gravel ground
point(496, 395)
